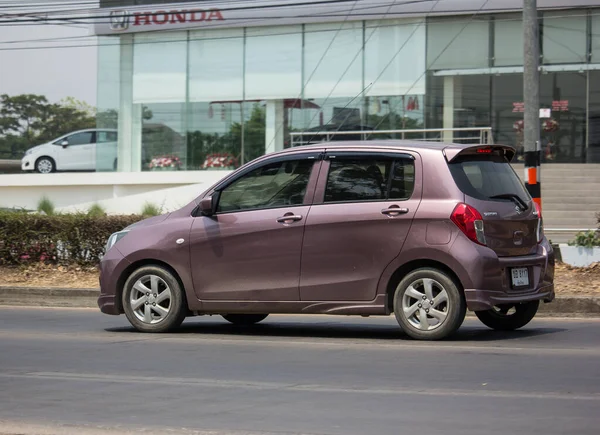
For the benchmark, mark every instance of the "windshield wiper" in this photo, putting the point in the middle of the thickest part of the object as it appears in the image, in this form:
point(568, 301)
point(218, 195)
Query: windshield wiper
point(513, 197)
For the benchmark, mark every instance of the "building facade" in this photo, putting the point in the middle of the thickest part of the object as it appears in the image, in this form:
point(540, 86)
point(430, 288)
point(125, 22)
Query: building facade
point(199, 85)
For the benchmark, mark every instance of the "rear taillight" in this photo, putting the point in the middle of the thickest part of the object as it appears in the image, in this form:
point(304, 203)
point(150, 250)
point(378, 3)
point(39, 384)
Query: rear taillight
point(540, 226)
point(470, 222)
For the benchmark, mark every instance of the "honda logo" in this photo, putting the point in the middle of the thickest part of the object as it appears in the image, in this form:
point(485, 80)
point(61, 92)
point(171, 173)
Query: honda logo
point(119, 20)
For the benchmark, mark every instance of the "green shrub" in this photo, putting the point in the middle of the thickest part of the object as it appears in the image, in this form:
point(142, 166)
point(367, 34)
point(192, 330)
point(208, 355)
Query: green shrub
point(60, 239)
point(150, 210)
point(96, 210)
point(45, 206)
point(588, 239)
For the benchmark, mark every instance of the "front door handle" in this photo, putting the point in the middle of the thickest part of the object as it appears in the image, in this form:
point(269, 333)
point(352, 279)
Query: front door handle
point(394, 210)
point(289, 218)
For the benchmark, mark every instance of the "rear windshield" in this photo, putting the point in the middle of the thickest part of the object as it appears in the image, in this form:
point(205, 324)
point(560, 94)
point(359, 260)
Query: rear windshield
point(483, 177)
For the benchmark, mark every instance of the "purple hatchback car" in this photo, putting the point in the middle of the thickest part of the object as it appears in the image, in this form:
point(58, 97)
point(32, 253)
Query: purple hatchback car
point(422, 230)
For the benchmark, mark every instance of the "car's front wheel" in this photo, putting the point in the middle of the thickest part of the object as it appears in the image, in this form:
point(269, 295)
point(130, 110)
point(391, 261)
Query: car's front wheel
point(429, 305)
point(244, 319)
point(45, 165)
point(153, 300)
point(510, 316)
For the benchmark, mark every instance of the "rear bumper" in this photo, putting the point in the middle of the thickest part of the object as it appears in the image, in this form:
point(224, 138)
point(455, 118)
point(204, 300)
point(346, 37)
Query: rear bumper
point(492, 285)
point(482, 300)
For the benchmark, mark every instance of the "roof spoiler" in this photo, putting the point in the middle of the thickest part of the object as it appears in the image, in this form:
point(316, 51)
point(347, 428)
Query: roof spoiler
point(503, 150)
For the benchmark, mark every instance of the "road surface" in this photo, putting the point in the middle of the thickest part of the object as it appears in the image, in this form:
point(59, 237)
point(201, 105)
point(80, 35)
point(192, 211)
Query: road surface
point(78, 371)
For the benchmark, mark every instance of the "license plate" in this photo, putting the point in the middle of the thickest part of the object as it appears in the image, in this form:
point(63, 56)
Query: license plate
point(520, 276)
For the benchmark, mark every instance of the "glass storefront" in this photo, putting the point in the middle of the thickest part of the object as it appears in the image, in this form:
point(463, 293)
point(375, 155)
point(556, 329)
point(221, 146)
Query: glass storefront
point(485, 87)
point(216, 98)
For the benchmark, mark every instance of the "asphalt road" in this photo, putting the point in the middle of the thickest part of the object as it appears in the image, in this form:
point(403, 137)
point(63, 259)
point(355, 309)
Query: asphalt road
point(78, 371)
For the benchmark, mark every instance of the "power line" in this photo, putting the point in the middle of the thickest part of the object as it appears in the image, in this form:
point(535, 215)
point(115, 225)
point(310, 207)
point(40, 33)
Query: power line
point(361, 50)
point(432, 63)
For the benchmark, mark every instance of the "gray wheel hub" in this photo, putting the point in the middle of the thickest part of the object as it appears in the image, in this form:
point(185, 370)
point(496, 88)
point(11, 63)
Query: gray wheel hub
point(44, 166)
point(425, 304)
point(150, 299)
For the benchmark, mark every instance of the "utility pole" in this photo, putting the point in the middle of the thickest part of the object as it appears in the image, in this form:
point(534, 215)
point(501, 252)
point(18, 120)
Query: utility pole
point(531, 95)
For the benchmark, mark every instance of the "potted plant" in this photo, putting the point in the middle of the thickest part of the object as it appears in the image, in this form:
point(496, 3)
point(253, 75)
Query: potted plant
point(583, 250)
point(220, 161)
point(165, 163)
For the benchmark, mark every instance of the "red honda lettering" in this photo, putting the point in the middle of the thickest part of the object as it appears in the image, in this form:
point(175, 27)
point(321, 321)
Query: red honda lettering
point(196, 18)
point(139, 16)
point(178, 16)
point(214, 14)
point(163, 20)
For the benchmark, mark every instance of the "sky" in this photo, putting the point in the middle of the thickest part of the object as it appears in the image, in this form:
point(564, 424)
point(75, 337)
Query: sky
point(54, 72)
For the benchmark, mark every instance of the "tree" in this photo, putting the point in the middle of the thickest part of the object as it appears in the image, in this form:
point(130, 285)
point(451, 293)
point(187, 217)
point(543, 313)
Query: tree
point(28, 120)
point(23, 115)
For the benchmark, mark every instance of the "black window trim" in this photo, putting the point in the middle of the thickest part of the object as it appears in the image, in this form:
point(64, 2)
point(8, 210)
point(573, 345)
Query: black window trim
point(66, 137)
point(350, 155)
point(313, 156)
point(331, 155)
point(316, 156)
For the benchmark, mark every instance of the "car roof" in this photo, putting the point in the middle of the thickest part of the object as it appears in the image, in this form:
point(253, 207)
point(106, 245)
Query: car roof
point(408, 145)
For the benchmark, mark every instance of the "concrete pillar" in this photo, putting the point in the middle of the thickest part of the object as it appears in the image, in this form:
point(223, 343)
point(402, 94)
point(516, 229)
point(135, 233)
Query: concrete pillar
point(274, 128)
point(448, 121)
point(130, 116)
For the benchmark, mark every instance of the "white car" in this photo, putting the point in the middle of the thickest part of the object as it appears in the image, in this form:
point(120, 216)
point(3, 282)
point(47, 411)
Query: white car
point(83, 150)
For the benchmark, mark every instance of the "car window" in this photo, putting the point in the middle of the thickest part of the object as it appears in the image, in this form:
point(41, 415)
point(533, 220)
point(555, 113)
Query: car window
point(273, 185)
point(483, 177)
point(369, 179)
point(106, 136)
point(80, 138)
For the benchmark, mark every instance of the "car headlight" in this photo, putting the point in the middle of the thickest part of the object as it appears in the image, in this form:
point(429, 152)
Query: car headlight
point(114, 238)
point(28, 152)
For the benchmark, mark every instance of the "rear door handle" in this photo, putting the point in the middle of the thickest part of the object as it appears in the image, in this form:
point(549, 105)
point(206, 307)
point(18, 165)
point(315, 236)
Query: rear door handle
point(289, 218)
point(394, 210)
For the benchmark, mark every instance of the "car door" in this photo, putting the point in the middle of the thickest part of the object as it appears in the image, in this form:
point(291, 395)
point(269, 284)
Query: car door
point(363, 210)
point(75, 152)
point(249, 250)
point(105, 153)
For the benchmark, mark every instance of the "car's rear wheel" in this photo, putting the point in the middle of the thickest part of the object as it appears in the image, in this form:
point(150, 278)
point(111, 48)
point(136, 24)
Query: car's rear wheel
point(508, 317)
point(244, 319)
point(45, 165)
point(153, 300)
point(429, 305)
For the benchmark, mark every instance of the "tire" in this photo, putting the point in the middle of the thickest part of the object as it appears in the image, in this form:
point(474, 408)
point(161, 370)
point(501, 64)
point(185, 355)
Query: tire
point(499, 319)
point(154, 313)
point(244, 319)
point(45, 165)
point(433, 294)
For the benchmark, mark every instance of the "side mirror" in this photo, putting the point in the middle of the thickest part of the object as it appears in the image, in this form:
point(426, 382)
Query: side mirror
point(64, 143)
point(207, 206)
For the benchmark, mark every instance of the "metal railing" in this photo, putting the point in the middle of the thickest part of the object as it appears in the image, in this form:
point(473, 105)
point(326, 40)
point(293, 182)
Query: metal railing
point(481, 135)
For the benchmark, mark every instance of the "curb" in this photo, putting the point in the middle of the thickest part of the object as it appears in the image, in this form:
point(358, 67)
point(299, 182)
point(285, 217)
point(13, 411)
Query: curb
point(87, 298)
point(49, 297)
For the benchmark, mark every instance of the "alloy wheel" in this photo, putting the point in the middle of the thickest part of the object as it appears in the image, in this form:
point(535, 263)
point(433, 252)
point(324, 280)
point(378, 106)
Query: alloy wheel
point(425, 304)
point(150, 299)
point(44, 166)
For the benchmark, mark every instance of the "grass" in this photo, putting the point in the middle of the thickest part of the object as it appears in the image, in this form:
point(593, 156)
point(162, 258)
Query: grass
point(151, 210)
point(45, 206)
point(96, 210)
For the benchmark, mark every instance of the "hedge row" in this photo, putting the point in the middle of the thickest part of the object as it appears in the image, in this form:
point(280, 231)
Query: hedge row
point(69, 239)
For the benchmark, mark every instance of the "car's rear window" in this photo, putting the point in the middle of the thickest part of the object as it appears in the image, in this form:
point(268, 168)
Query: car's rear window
point(484, 177)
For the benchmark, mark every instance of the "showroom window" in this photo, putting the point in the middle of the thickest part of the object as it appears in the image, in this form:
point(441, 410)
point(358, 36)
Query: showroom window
point(564, 37)
point(508, 40)
point(458, 43)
